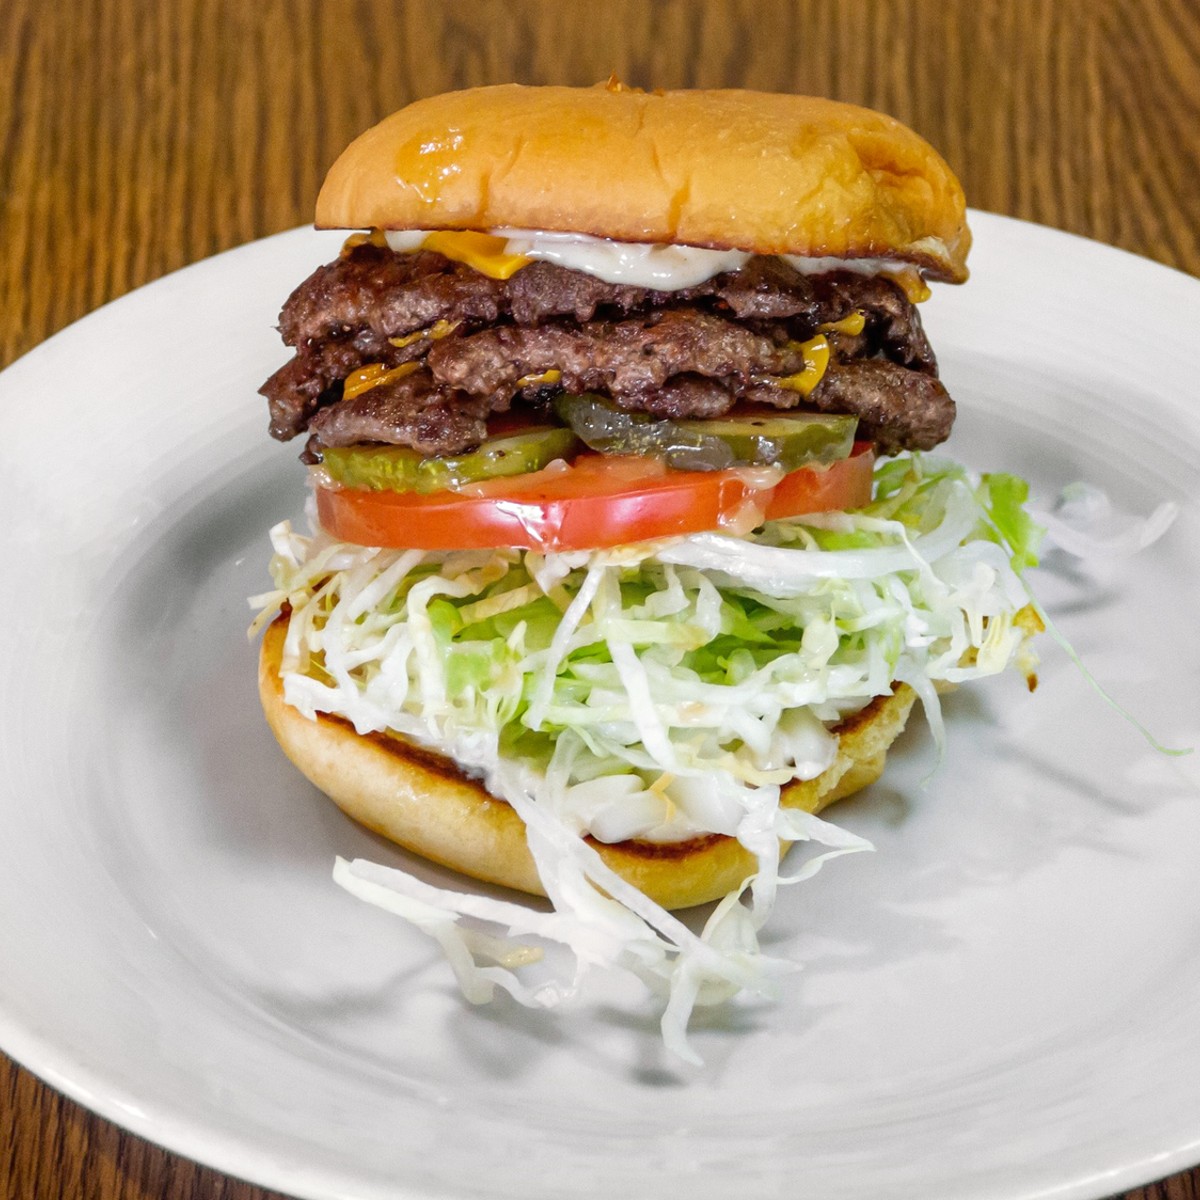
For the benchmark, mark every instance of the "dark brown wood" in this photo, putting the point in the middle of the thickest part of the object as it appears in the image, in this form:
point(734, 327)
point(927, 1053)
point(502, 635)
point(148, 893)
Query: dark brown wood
point(137, 136)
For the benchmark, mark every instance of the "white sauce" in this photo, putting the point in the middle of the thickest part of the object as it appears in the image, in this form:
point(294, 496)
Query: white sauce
point(403, 240)
point(665, 268)
point(864, 266)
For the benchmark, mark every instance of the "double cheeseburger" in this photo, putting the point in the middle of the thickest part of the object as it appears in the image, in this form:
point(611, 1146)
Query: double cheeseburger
point(628, 553)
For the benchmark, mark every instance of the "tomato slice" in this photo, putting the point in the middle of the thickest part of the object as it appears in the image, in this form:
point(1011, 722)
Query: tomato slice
point(595, 503)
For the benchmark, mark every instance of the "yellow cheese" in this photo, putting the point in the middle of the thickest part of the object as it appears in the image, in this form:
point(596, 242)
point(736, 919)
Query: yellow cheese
point(483, 251)
point(439, 329)
point(372, 375)
point(551, 376)
point(854, 324)
point(915, 287)
point(374, 238)
point(816, 359)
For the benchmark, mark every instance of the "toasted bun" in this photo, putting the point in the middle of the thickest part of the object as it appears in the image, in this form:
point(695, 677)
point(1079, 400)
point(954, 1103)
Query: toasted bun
point(426, 804)
point(771, 174)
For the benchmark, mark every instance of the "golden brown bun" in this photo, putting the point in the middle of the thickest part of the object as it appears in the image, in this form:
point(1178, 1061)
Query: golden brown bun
point(423, 802)
point(772, 174)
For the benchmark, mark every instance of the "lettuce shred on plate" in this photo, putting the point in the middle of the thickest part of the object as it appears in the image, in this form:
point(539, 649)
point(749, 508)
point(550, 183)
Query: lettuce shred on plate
point(658, 690)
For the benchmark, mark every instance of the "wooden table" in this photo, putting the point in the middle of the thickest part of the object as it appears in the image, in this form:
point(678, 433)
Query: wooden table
point(136, 137)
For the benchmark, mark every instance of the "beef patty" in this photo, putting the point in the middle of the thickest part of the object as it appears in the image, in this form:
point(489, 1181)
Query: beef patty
point(481, 345)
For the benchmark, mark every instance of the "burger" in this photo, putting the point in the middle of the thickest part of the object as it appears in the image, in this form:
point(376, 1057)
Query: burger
point(628, 551)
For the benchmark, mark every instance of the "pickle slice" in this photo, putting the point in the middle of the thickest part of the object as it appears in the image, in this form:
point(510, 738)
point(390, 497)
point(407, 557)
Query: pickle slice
point(602, 426)
point(788, 440)
point(785, 439)
point(401, 469)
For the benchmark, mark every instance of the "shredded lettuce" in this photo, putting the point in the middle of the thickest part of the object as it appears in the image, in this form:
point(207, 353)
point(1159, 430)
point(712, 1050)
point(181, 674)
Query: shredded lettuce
point(1086, 524)
point(656, 691)
point(1005, 497)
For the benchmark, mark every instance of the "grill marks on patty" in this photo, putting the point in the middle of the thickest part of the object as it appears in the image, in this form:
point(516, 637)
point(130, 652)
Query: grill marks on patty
point(689, 353)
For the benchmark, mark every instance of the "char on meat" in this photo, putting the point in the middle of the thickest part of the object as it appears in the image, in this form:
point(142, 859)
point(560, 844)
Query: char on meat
point(389, 294)
point(625, 359)
point(484, 343)
point(415, 411)
point(898, 409)
point(396, 294)
point(894, 325)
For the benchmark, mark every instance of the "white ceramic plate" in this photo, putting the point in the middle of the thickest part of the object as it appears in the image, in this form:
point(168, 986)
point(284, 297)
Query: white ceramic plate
point(1003, 1002)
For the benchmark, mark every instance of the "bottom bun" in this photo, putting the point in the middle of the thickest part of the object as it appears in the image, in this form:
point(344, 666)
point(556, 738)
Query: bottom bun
point(427, 804)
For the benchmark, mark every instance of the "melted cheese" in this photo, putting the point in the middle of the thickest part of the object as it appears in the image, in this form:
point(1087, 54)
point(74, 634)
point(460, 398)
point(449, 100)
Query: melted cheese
point(439, 329)
point(915, 287)
point(853, 325)
point(372, 375)
point(816, 361)
point(551, 376)
point(375, 238)
point(485, 252)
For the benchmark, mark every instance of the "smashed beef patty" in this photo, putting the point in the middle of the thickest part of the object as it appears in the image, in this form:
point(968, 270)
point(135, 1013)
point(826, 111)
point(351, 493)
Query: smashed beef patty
point(481, 343)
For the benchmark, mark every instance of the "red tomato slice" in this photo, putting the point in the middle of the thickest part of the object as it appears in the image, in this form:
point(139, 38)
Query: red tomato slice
point(595, 503)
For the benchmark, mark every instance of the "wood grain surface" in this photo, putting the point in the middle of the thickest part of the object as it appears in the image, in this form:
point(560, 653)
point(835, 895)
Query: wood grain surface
point(138, 136)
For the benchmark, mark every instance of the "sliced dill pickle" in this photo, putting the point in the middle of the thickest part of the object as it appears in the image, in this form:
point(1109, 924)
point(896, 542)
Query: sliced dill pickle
point(601, 425)
point(786, 439)
point(400, 469)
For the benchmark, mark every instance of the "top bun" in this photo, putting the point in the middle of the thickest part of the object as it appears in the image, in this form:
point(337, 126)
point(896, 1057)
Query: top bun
point(771, 174)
